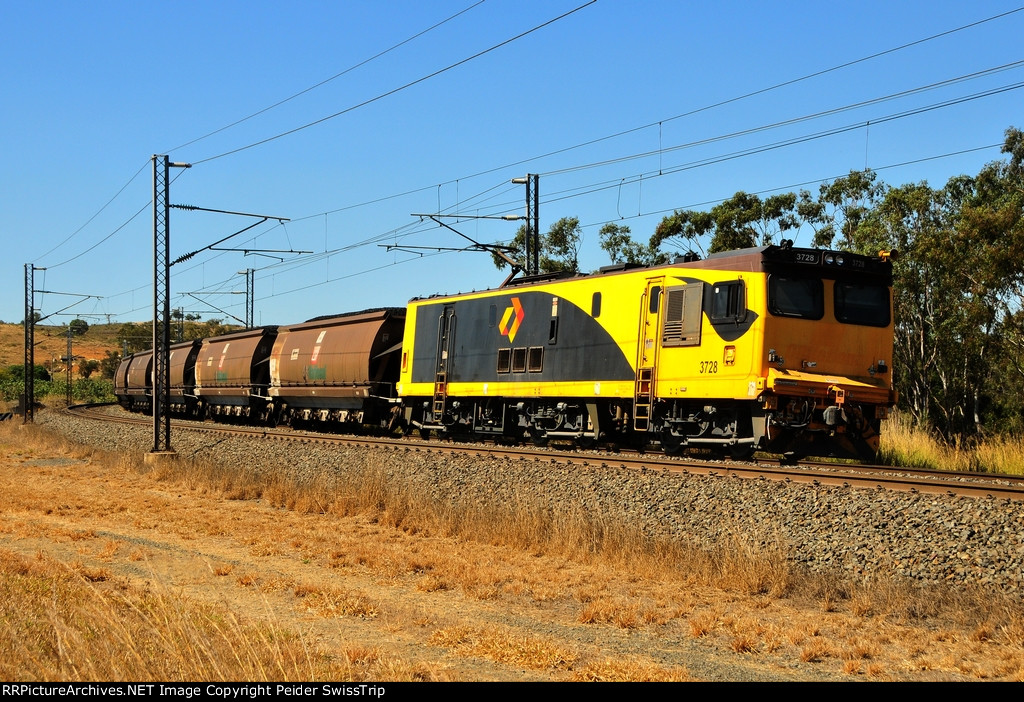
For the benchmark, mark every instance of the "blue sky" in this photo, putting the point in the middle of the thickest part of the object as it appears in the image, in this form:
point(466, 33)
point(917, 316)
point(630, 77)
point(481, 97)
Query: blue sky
point(92, 90)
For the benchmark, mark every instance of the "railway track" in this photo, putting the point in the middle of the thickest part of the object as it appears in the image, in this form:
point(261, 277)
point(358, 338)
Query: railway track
point(864, 477)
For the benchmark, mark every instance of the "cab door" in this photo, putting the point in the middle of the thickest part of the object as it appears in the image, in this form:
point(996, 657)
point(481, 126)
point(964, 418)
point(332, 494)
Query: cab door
point(647, 350)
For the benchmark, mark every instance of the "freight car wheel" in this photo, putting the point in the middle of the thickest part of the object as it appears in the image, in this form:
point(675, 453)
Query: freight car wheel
point(539, 437)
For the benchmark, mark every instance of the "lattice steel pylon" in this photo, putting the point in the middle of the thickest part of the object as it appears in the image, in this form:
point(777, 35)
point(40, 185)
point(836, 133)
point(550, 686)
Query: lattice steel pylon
point(531, 252)
point(533, 216)
point(162, 303)
point(29, 369)
point(250, 297)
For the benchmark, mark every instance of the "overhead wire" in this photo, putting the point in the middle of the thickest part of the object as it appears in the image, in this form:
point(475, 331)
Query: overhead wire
point(664, 171)
point(744, 96)
point(244, 119)
point(813, 116)
point(400, 88)
point(698, 110)
point(98, 212)
point(328, 80)
point(122, 226)
point(792, 186)
point(578, 191)
point(658, 123)
point(651, 212)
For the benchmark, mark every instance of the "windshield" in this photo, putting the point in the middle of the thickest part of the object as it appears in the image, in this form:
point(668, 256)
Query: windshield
point(796, 297)
point(858, 303)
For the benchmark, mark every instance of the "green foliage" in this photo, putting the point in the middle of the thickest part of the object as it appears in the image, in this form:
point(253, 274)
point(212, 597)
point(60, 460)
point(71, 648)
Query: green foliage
point(17, 373)
point(88, 367)
point(138, 336)
point(559, 247)
point(82, 389)
point(135, 336)
point(109, 364)
point(202, 330)
point(616, 240)
point(740, 222)
point(12, 381)
point(958, 288)
point(78, 327)
point(841, 207)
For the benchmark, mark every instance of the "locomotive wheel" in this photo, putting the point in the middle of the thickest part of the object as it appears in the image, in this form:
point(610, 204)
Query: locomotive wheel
point(670, 443)
point(538, 437)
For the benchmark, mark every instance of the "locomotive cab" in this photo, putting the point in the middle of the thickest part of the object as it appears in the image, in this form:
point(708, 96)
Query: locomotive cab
point(827, 352)
point(793, 356)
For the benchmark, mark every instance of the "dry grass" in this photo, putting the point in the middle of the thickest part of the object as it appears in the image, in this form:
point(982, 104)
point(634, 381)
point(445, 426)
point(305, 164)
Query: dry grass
point(57, 626)
point(744, 597)
point(755, 565)
point(904, 444)
point(629, 670)
point(506, 645)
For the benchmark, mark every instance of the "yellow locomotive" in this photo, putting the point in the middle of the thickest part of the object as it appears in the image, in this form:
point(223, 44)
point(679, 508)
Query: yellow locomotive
point(775, 348)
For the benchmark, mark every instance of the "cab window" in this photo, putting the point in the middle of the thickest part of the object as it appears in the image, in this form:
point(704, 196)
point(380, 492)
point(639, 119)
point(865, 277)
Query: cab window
point(728, 302)
point(789, 296)
point(861, 303)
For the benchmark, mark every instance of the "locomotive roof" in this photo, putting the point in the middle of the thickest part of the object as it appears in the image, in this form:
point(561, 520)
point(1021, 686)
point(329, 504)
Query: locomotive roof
point(787, 260)
point(790, 260)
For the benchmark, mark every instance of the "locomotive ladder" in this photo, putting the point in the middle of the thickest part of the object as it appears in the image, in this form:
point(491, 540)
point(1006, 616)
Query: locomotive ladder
point(440, 394)
point(642, 399)
point(445, 332)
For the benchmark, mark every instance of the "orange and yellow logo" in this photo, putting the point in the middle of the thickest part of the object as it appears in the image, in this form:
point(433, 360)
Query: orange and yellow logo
point(512, 318)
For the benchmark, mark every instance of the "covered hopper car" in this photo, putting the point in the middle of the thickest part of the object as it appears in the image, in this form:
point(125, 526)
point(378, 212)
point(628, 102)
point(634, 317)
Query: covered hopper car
point(232, 375)
point(340, 370)
point(332, 370)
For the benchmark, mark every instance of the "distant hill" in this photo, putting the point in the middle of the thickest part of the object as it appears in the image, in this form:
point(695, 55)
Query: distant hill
point(52, 343)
